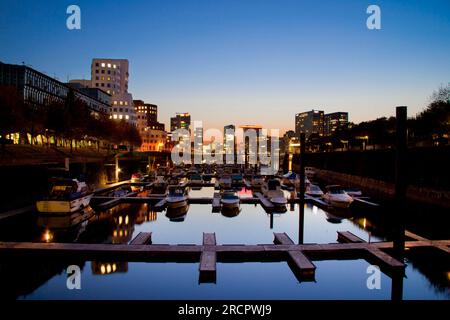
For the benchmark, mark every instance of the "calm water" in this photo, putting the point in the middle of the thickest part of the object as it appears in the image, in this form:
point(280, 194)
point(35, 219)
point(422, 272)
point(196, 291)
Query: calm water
point(344, 279)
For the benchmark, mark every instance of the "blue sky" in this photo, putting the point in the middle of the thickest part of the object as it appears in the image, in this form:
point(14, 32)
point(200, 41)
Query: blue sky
point(244, 61)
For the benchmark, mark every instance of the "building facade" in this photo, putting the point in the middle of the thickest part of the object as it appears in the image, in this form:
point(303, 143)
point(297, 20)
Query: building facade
point(152, 132)
point(38, 89)
point(310, 122)
point(180, 121)
point(112, 76)
point(334, 122)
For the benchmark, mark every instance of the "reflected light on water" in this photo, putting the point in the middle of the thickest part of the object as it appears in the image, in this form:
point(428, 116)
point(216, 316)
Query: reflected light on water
point(48, 236)
point(315, 210)
point(448, 275)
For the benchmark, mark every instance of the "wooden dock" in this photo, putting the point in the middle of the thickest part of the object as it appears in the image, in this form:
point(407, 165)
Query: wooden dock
point(17, 212)
point(216, 202)
point(302, 267)
point(208, 259)
point(265, 203)
point(142, 238)
point(298, 256)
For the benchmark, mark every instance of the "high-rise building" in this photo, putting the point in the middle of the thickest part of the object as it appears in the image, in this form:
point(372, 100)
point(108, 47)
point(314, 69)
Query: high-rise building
point(310, 122)
point(251, 152)
point(335, 121)
point(180, 121)
point(112, 75)
point(229, 138)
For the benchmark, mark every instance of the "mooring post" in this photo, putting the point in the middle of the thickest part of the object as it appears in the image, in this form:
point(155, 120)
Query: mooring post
point(301, 217)
point(67, 164)
point(116, 167)
point(400, 181)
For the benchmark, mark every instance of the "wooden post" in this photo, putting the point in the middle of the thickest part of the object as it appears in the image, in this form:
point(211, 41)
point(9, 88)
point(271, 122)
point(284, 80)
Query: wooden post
point(116, 167)
point(67, 164)
point(400, 181)
point(301, 218)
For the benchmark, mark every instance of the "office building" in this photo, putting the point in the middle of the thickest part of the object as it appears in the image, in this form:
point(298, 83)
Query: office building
point(310, 122)
point(334, 122)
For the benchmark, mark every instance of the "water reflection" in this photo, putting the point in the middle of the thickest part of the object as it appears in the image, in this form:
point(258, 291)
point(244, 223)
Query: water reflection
point(249, 225)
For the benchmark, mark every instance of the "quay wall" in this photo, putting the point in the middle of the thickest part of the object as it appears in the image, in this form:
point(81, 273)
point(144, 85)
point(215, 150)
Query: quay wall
point(382, 189)
point(426, 167)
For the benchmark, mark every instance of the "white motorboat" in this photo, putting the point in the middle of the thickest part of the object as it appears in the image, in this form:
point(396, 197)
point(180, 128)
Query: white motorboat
point(272, 191)
point(177, 197)
point(313, 190)
point(230, 199)
point(353, 192)
point(66, 196)
point(337, 197)
point(291, 179)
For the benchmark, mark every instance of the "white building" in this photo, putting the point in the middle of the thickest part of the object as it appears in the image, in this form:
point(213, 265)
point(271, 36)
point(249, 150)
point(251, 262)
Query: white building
point(112, 75)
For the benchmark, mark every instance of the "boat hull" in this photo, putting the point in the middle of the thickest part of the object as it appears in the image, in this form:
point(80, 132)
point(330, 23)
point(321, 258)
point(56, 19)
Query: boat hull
point(63, 206)
point(176, 203)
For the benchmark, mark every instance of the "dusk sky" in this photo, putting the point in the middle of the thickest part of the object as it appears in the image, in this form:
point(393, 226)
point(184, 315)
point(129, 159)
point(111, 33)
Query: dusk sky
point(244, 61)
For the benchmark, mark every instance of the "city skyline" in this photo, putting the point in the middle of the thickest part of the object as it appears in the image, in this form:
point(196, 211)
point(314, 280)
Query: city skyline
point(246, 60)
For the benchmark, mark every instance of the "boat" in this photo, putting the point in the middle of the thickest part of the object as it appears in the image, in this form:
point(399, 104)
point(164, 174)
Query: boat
point(66, 196)
point(136, 177)
point(230, 212)
point(195, 178)
point(237, 180)
point(177, 173)
point(313, 190)
point(290, 179)
point(65, 221)
point(159, 186)
point(177, 214)
point(225, 181)
point(257, 181)
point(331, 218)
point(177, 197)
point(272, 191)
point(336, 196)
point(230, 199)
point(310, 172)
point(353, 192)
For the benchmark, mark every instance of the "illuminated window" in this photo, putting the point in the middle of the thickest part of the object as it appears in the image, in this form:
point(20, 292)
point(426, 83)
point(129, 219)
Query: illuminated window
point(121, 117)
point(109, 65)
point(114, 66)
point(109, 78)
point(103, 78)
point(126, 103)
point(103, 64)
point(115, 102)
point(115, 116)
point(127, 117)
point(121, 103)
point(109, 91)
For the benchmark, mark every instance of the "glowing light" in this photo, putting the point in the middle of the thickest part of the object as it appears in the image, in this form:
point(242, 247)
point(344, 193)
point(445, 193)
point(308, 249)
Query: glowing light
point(102, 269)
point(114, 267)
point(364, 223)
point(48, 236)
point(120, 233)
point(120, 219)
point(115, 233)
point(448, 275)
point(108, 268)
point(126, 219)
